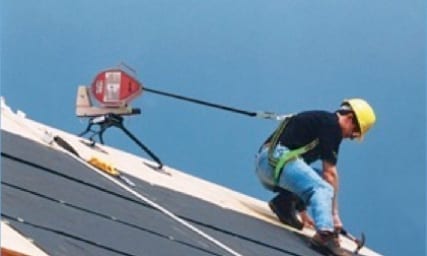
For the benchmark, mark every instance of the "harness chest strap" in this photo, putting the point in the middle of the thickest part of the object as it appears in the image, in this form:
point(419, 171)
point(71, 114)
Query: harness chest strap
point(275, 140)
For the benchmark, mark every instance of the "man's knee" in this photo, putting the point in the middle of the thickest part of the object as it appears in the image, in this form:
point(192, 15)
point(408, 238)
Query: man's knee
point(323, 191)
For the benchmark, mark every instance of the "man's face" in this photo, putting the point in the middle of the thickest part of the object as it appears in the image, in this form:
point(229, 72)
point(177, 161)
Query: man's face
point(349, 127)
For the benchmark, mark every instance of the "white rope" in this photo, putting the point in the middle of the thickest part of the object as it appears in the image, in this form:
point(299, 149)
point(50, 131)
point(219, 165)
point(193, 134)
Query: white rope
point(165, 211)
point(157, 206)
point(42, 135)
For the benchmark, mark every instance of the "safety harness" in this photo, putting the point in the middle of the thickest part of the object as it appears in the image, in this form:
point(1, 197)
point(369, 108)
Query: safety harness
point(279, 163)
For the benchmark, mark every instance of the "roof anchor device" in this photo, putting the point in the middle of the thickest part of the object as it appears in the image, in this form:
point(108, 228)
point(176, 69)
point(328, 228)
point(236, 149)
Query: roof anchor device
point(113, 89)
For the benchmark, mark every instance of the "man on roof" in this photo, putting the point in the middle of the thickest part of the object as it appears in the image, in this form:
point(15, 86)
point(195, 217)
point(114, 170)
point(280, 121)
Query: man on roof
point(283, 165)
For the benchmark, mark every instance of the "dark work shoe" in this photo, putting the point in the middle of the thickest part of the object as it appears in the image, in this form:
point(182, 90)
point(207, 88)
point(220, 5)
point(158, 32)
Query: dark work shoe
point(284, 208)
point(328, 243)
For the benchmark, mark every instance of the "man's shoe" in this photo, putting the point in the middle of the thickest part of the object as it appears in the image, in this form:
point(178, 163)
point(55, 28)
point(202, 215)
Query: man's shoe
point(328, 243)
point(283, 206)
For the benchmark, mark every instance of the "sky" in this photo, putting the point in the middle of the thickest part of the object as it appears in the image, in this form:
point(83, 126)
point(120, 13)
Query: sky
point(280, 56)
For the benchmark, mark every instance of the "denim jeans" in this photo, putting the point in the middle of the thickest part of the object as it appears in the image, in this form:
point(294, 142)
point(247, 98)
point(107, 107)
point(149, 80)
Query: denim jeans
point(301, 179)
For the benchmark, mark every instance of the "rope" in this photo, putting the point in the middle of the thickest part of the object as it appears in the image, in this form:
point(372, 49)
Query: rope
point(259, 114)
point(85, 183)
point(137, 195)
point(104, 216)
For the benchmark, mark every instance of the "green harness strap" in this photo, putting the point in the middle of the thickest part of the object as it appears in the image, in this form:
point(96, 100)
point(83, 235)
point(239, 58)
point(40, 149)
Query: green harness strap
point(275, 140)
point(288, 156)
point(279, 163)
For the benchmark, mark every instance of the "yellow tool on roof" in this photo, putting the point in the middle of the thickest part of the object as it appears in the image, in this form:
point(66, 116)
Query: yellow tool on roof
point(104, 166)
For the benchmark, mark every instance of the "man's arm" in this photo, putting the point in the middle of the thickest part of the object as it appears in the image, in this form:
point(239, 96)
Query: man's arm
point(330, 174)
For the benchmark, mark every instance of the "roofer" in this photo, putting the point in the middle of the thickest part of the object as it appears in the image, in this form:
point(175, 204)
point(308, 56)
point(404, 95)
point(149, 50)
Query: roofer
point(283, 165)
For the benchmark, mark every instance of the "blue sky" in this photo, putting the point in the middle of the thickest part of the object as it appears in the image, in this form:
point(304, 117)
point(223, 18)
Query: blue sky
point(280, 56)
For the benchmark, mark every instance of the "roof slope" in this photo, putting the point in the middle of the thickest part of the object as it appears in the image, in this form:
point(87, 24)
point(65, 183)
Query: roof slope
point(67, 207)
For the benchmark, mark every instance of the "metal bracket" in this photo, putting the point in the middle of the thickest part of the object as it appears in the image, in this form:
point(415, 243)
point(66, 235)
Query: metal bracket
point(114, 120)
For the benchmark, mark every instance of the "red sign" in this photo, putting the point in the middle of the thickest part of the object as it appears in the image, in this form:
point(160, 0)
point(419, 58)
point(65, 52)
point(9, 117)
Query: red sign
point(115, 88)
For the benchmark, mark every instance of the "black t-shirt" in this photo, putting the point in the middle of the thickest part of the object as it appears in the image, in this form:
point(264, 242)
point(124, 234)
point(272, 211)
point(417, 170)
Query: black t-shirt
point(307, 126)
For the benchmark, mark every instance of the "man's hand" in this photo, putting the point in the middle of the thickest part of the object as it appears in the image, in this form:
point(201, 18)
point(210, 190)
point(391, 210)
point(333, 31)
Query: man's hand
point(337, 221)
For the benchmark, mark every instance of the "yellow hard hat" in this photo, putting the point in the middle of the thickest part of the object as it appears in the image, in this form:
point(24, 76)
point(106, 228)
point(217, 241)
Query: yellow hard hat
point(365, 115)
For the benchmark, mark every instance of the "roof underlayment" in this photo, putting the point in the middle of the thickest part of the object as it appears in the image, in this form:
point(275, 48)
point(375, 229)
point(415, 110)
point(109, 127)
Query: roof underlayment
point(55, 203)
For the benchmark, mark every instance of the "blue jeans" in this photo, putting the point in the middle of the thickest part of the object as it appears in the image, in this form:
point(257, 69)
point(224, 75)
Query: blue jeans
point(302, 180)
